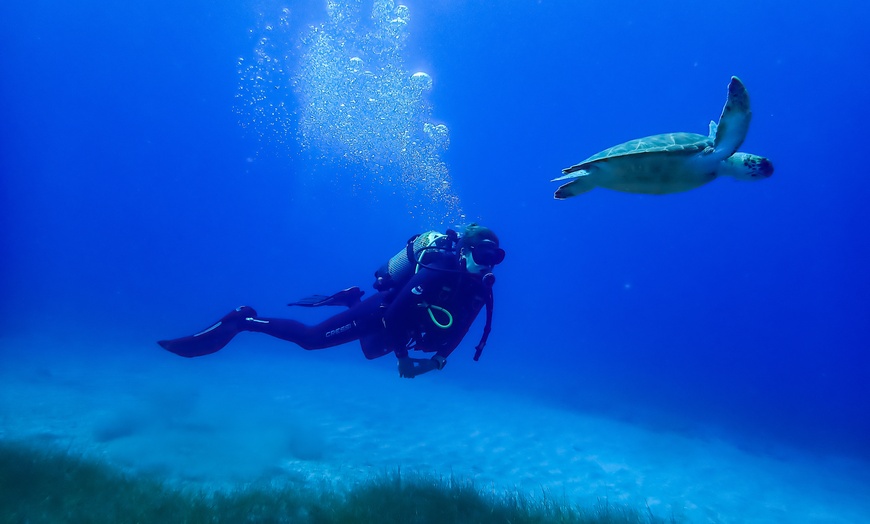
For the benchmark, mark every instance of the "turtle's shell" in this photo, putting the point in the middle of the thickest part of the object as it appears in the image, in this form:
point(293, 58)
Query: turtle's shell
point(679, 143)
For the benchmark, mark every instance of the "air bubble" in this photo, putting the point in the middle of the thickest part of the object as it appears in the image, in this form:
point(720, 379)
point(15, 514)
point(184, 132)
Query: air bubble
point(356, 64)
point(421, 82)
point(399, 26)
point(357, 103)
point(403, 12)
point(382, 9)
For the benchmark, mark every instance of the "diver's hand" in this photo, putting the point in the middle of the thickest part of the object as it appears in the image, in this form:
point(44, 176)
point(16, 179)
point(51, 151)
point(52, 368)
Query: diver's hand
point(411, 367)
point(406, 367)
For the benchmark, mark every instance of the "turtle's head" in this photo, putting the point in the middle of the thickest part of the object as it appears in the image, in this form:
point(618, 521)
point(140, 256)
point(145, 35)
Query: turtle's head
point(744, 166)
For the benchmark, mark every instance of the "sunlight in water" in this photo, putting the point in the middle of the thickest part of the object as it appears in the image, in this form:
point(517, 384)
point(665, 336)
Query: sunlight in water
point(345, 95)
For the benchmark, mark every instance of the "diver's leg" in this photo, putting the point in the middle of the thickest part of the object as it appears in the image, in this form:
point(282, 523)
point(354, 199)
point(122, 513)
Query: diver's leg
point(211, 339)
point(361, 320)
point(358, 321)
point(376, 344)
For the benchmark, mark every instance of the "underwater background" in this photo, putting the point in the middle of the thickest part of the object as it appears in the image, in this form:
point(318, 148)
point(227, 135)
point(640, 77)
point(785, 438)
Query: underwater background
point(163, 163)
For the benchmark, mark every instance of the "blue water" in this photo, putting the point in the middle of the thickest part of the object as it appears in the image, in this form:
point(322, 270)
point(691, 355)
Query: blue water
point(136, 207)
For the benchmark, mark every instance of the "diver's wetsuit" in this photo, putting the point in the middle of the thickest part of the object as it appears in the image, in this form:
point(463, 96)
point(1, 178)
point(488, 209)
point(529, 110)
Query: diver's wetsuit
point(362, 321)
point(431, 312)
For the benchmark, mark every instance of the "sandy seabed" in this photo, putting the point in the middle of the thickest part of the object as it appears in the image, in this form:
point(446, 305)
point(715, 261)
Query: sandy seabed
point(243, 416)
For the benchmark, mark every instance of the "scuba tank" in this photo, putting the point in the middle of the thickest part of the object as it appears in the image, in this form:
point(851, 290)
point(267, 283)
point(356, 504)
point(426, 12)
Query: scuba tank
point(401, 267)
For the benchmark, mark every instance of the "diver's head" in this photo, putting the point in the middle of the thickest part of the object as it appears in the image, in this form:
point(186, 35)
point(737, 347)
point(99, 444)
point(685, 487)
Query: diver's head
point(478, 249)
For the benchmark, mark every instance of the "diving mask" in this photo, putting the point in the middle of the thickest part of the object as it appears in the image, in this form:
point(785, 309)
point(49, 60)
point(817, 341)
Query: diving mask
point(487, 253)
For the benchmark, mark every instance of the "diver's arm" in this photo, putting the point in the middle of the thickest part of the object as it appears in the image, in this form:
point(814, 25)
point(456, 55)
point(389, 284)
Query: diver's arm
point(412, 367)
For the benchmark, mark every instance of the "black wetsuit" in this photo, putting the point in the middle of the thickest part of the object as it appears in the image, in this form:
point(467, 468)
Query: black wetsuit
point(396, 320)
point(432, 311)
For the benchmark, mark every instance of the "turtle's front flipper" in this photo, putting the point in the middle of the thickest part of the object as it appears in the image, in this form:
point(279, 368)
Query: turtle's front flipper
point(734, 122)
point(714, 127)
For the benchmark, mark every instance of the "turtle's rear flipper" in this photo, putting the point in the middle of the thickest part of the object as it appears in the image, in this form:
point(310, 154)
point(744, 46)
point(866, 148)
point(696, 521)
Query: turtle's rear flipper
point(574, 188)
point(346, 297)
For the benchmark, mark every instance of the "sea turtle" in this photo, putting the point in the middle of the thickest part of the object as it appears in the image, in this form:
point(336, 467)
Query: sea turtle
point(674, 162)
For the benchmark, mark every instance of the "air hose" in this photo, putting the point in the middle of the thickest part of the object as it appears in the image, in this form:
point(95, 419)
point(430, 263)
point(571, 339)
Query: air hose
point(430, 308)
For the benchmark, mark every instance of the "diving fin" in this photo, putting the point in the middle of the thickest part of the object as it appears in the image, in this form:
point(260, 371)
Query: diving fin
point(346, 297)
point(211, 339)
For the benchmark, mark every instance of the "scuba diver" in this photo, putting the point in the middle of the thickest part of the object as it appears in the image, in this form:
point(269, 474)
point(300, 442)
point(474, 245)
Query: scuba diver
point(427, 297)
